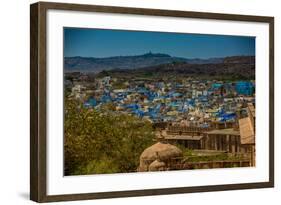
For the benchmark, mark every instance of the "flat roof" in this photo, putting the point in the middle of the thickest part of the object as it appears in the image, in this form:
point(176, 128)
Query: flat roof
point(183, 137)
point(180, 137)
point(229, 131)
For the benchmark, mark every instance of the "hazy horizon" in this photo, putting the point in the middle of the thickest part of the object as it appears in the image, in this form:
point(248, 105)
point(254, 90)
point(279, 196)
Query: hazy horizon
point(153, 53)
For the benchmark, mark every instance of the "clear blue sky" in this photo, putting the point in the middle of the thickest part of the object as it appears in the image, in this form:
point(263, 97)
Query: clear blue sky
point(106, 43)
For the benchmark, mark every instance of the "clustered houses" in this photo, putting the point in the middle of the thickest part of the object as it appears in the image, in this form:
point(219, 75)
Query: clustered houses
point(199, 114)
point(234, 138)
point(197, 103)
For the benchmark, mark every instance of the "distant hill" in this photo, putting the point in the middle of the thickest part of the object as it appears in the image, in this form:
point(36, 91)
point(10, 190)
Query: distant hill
point(91, 64)
point(236, 67)
point(241, 67)
point(239, 60)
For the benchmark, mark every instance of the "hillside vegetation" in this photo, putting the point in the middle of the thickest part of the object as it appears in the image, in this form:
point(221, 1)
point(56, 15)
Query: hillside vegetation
point(102, 142)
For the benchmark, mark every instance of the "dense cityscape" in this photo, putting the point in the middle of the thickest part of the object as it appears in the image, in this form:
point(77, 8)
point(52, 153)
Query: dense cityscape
point(196, 102)
point(212, 121)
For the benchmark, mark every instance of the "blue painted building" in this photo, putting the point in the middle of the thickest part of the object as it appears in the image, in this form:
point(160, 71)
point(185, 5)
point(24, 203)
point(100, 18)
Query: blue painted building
point(244, 88)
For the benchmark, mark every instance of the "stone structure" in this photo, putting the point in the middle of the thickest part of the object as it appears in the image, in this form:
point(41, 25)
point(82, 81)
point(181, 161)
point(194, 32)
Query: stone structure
point(159, 157)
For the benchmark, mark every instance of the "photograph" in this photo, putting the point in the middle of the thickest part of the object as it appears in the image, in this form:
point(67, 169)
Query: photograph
point(143, 101)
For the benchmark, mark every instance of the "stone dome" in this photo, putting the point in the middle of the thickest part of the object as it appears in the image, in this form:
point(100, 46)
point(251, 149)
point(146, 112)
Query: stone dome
point(160, 151)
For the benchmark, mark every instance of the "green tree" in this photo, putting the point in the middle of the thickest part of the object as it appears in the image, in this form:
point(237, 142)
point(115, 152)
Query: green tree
point(102, 142)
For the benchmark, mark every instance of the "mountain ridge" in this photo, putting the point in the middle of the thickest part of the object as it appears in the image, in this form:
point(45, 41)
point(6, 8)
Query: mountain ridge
point(93, 64)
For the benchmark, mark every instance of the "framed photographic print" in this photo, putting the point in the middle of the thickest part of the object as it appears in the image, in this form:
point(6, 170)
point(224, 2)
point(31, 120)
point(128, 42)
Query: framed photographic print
point(135, 102)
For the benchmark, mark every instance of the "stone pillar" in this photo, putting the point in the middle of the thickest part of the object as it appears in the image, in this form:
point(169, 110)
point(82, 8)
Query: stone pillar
point(227, 143)
point(216, 142)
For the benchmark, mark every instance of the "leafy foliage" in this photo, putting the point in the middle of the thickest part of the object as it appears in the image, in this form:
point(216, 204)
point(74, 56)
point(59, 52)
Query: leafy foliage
point(102, 141)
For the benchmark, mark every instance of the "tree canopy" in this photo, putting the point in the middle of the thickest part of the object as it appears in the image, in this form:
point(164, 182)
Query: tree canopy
point(99, 142)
